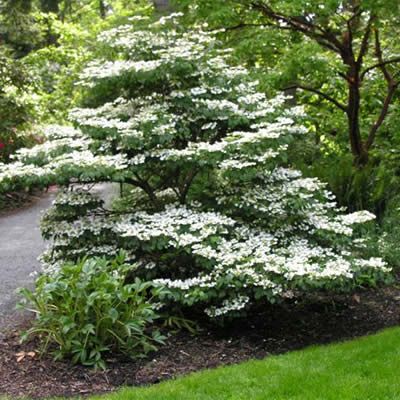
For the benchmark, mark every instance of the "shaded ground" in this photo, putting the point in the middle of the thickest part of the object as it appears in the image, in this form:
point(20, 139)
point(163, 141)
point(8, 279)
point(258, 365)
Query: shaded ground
point(272, 331)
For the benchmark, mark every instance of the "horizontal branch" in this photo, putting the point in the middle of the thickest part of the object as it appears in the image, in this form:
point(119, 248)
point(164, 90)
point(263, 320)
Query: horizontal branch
point(380, 65)
point(246, 25)
point(324, 37)
point(319, 93)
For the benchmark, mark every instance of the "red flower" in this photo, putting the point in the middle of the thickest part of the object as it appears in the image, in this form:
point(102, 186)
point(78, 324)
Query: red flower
point(2, 145)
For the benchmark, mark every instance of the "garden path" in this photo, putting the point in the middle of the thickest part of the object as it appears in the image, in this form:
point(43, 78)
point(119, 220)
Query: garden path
point(20, 246)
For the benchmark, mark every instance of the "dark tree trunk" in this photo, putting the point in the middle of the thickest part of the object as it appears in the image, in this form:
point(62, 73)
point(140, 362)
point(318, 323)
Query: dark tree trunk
point(353, 118)
point(102, 9)
point(66, 10)
point(50, 6)
point(161, 5)
point(291, 92)
point(26, 6)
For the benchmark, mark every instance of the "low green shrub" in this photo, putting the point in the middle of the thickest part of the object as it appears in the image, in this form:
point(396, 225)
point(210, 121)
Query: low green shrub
point(88, 309)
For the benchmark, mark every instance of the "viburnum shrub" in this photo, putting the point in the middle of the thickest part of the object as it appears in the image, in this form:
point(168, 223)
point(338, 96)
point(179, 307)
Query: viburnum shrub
point(88, 309)
point(215, 213)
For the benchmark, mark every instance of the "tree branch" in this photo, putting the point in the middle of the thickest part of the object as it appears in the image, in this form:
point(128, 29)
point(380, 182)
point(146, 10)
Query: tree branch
point(326, 38)
point(357, 12)
point(379, 56)
point(319, 93)
point(365, 40)
point(246, 25)
point(385, 109)
point(392, 86)
point(380, 65)
point(184, 189)
point(145, 186)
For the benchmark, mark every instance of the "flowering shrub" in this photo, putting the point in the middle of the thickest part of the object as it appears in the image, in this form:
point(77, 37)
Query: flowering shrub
point(216, 214)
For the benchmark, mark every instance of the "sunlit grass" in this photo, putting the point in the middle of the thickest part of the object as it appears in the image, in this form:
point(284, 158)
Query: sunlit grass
point(362, 369)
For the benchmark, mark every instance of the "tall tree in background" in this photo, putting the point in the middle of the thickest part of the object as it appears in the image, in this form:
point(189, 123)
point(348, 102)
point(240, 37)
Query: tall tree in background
point(17, 26)
point(50, 6)
point(351, 32)
point(102, 9)
point(161, 5)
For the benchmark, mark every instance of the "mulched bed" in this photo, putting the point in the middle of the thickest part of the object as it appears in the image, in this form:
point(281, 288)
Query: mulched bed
point(270, 331)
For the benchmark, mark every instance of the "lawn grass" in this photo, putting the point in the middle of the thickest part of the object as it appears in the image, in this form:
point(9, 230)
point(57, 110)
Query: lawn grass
point(362, 369)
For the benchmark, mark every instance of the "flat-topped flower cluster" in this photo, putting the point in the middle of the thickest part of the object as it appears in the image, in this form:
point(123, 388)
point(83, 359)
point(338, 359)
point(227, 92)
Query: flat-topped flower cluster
point(215, 212)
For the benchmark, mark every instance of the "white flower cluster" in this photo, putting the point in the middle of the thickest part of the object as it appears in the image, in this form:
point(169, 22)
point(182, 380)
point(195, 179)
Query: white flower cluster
point(227, 306)
point(86, 159)
point(359, 217)
point(108, 69)
point(53, 132)
point(52, 148)
point(247, 258)
point(20, 171)
point(76, 198)
point(180, 225)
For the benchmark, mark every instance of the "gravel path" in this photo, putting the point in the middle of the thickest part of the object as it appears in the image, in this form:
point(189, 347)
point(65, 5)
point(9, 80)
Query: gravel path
point(20, 245)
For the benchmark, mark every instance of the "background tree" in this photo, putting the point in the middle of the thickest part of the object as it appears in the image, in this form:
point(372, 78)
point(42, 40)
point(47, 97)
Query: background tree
point(48, 6)
point(40, 57)
point(161, 5)
point(350, 30)
point(18, 29)
point(16, 108)
point(285, 58)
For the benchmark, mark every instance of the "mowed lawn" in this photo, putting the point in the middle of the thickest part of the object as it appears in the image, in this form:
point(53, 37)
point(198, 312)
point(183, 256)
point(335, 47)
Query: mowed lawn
point(362, 369)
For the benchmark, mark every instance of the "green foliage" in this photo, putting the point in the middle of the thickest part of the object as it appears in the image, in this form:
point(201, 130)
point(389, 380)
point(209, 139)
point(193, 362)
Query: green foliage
point(374, 187)
point(283, 57)
point(19, 29)
point(89, 309)
point(385, 237)
point(53, 40)
point(56, 69)
point(16, 106)
point(56, 65)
